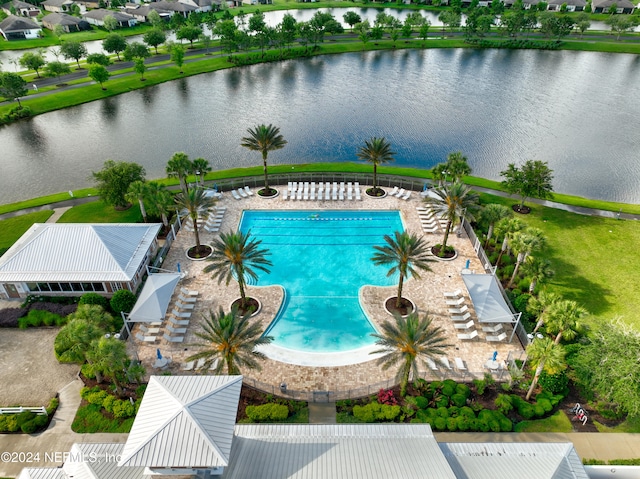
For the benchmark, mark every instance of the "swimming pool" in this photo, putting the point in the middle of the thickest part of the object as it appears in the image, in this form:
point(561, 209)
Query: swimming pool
point(322, 259)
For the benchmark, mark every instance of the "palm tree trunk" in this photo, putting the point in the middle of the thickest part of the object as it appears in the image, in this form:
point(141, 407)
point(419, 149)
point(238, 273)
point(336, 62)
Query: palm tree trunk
point(165, 220)
point(446, 237)
point(538, 326)
point(535, 379)
point(243, 297)
point(502, 250)
point(404, 379)
point(515, 270)
point(400, 282)
point(142, 210)
point(183, 183)
point(558, 337)
point(533, 284)
point(489, 235)
point(375, 177)
point(264, 167)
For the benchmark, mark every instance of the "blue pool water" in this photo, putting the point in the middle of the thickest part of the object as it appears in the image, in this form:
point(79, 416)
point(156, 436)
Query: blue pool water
point(322, 259)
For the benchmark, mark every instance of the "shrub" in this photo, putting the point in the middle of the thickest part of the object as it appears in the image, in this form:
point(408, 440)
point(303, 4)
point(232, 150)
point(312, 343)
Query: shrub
point(452, 424)
point(12, 423)
point(463, 423)
point(450, 383)
point(24, 417)
point(96, 397)
point(464, 390)
point(94, 298)
point(59, 308)
point(421, 402)
point(448, 390)
point(443, 401)
point(454, 411)
point(480, 385)
point(9, 317)
point(538, 410)
point(556, 383)
point(34, 424)
point(505, 424)
point(503, 403)
point(459, 400)
point(431, 412)
point(123, 409)
point(443, 412)
point(268, 412)
point(422, 417)
point(440, 423)
point(483, 425)
point(53, 405)
point(108, 403)
point(3, 423)
point(122, 301)
point(467, 412)
point(421, 385)
point(387, 397)
point(526, 410)
point(545, 404)
point(374, 412)
point(36, 318)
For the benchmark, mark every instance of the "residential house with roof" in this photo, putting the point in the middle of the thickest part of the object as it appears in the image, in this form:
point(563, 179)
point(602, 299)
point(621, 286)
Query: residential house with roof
point(96, 17)
point(173, 7)
point(19, 28)
point(572, 5)
point(69, 23)
point(603, 6)
point(141, 12)
point(57, 6)
point(69, 259)
point(22, 9)
point(201, 6)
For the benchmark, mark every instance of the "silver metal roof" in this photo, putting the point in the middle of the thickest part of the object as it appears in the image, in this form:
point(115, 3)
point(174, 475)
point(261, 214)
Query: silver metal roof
point(509, 460)
point(154, 299)
point(78, 252)
point(99, 461)
point(184, 421)
point(341, 451)
point(42, 473)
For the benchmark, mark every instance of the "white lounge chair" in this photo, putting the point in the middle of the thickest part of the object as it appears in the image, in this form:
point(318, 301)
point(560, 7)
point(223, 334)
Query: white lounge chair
point(341, 195)
point(452, 294)
point(285, 193)
point(235, 195)
point(178, 322)
point(464, 317)
point(189, 366)
point(173, 330)
point(455, 302)
point(212, 229)
point(431, 364)
point(430, 230)
point(248, 191)
point(147, 330)
point(400, 192)
point(499, 337)
point(445, 362)
point(180, 314)
point(299, 194)
point(406, 196)
point(468, 336)
point(200, 363)
point(242, 193)
point(188, 292)
point(187, 306)
point(145, 339)
point(464, 309)
point(394, 191)
point(460, 364)
point(467, 325)
point(173, 339)
point(358, 197)
point(187, 299)
point(496, 328)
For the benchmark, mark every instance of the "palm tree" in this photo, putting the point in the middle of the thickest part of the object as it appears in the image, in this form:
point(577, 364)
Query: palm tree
point(407, 253)
point(523, 243)
point(457, 166)
point(231, 341)
point(439, 173)
point(108, 357)
point(405, 341)
point(201, 167)
point(507, 227)
point(137, 192)
point(491, 214)
point(564, 319)
point(264, 139)
point(236, 255)
point(539, 307)
point(161, 201)
point(376, 151)
point(74, 340)
point(453, 201)
point(179, 166)
point(539, 270)
point(194, 203)
point(546, 356)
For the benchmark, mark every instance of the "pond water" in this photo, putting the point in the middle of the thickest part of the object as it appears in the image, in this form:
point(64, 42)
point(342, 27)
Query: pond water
point(575, 110)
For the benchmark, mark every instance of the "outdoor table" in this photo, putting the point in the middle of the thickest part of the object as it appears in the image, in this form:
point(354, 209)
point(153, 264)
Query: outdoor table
point(491, 364)
point(161, 363)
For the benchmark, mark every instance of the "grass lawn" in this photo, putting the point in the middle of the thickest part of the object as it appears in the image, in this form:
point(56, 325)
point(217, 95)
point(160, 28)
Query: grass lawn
point(594, 259)
point(12, 228)
point(631, 425)
point(559, 422)
point(89, 419)
point(98, 212)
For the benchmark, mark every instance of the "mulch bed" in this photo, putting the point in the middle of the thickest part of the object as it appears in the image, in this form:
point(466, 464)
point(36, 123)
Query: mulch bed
point(406, 307)
point(251, 306)
point(197, 252)
point(523, 210)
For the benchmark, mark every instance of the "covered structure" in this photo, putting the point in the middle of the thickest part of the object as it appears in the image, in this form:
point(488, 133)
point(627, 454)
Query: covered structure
point(154, 298)
point(488, 301)
point(69, 259)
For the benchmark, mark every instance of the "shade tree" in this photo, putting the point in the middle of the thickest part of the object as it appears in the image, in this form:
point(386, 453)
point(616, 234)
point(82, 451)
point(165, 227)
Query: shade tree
point(533, 179)
point(114, 43)
point(154, 38)
point(114, 179)
point(73, 50)
point(32, 61)
point(100, 74)
point(12, 86)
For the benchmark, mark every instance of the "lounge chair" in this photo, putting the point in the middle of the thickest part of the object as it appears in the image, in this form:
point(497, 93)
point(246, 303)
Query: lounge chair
point(358, 197)
point(285, 193)
point(187, 306)
point(466, 325)
point(496, 328)
point(188, 292)
point(455, 302)
point(178, 322)
point(312, 194)
point(180, 314)
point(235, 195)
point(187, 299)
point(464, 309)
point(400, 192)
point(431, 364)
point(499, 337)
point(452, 294)
point(468, 336)
point(212, 229)
point(299, 194)
point(147, 330)
point(242, 193)
point(341, 195)
point(406, 196)
point(464, 317)
point(429, 230)
point(189, 366)
point(248, 191)
point(349, 194)
point(176, 330)
point(445, 362)
point(200, 363)
point(460, 364)
point(145, 339)
point(173, 339)
point(394, 191)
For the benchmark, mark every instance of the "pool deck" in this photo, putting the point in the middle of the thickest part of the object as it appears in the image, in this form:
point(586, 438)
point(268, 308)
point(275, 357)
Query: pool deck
point(426, 293)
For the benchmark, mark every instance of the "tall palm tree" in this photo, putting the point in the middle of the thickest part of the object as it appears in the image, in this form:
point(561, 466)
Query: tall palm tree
point(230, 340)
point(108, 357)
point(137, 192)
point(264, 139)
point(405, 341)
point(161, 201)
point(546, 356)
point(564, 319)
point(491, 214)
point(538, 269)
point(523, 243)
point(539, 306)
point(376, 151)
point(236, 255)
point(407, 253)
point(194, 203)
point(200, 168)
point(179, 166)
point(438, 173)
point(452, 202)
point(457, 166)
point(506, 227)
point(74, 340)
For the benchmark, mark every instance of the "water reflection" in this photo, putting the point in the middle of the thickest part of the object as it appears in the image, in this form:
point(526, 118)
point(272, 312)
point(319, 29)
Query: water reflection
point(148, 95)
point(109, 109)
point(183, 88)
point(31, 136)
point(233, 78)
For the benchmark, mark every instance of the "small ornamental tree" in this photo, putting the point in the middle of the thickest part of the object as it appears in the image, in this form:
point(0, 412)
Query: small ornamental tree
point(73, 51)
point(154, 37)
point(122, 301)
point(114, 43)
point(32, 61)
point(99, 74)
point(12, 86)
point(531, 180)
point(55, 69)
point(140, 67)
point(177, 55)
point(99, 59)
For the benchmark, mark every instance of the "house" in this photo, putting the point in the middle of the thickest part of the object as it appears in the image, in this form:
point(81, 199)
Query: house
point(68, 23)
point(141, 12)
point(185, 426)
point(96, 17)
point(603, 6)
point(572, 5)
point(17, 28)
point(57, 6)
point(200, 5)
point(22, 9)
point(173, 7)
point(71, 259)
point(88, 4)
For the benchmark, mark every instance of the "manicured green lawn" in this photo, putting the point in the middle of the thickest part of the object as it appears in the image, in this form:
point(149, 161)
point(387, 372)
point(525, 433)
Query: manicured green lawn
point(12, 228)
point(631, 425)
point(594, 259)
point(98, 212)
point(559, 422)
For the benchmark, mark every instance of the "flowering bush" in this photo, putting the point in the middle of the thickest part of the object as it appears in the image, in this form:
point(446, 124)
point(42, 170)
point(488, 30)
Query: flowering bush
point(387, 397)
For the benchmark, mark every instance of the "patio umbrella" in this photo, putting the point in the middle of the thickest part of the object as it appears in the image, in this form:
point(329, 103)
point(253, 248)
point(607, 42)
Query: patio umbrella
point(495, 355)
point(158, 353)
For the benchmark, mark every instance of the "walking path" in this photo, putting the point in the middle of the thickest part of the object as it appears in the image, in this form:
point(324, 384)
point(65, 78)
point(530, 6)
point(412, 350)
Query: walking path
point(322, 413)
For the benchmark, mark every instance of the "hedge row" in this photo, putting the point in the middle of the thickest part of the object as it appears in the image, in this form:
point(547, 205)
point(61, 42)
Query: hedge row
point(121, 409)
point(463, 419)
point(267, 412)
point(28, 422)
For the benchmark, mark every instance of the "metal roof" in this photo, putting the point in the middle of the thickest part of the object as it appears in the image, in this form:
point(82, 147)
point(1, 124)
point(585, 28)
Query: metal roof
point(42, 473)
point(154, 299)
point(488, 302)
point(78, 252)
point(509, 460)
point(98, 461)
point(348, 451)
point(184, 422)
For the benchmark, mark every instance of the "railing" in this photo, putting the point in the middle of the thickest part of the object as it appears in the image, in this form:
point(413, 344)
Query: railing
point(40, 411)
point(162, 252)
